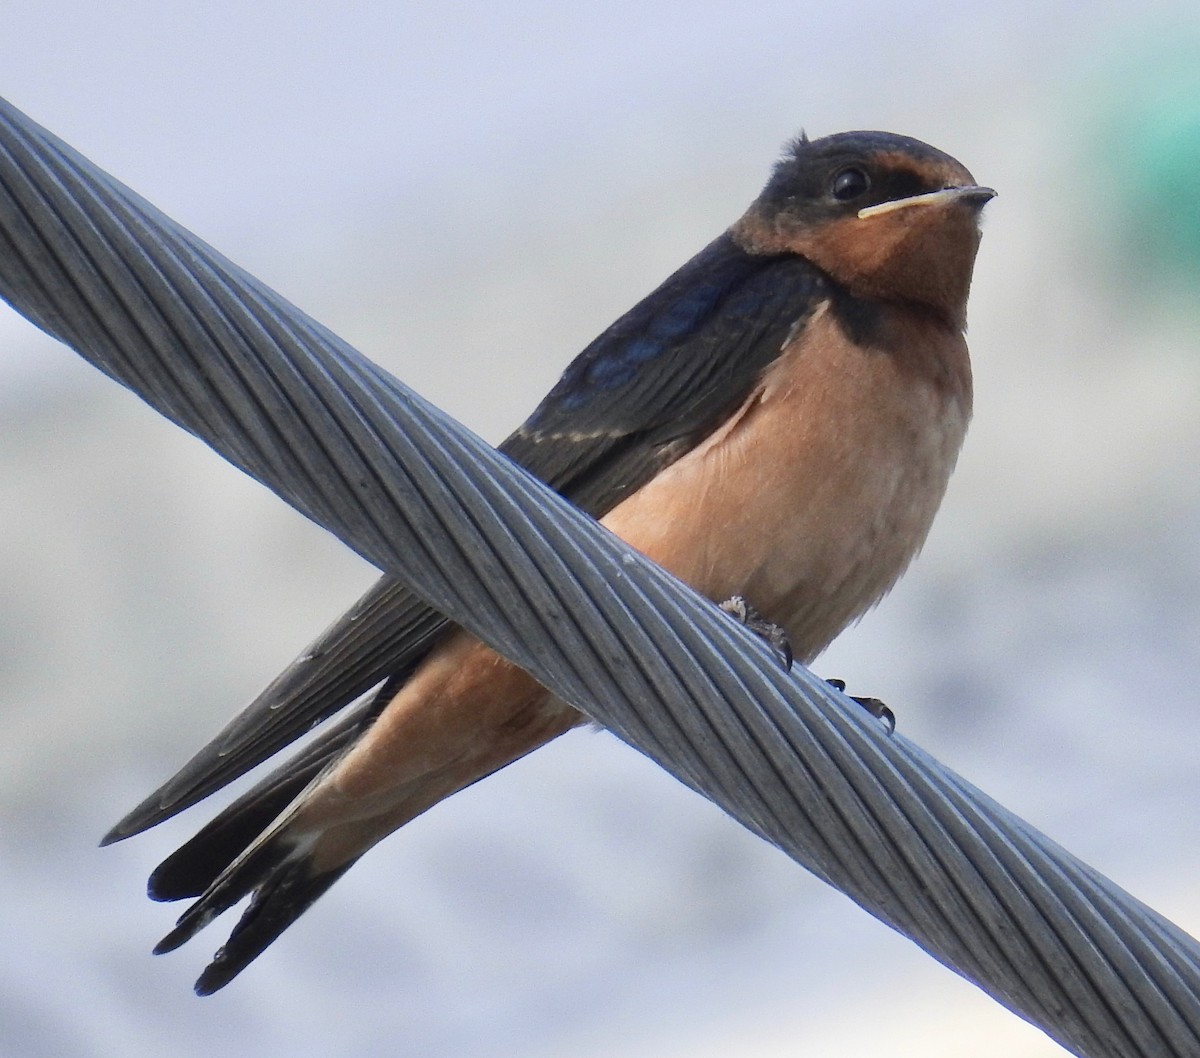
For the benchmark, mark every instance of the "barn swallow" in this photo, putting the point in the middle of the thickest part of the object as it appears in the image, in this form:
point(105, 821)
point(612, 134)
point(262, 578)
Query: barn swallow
point(777, 421)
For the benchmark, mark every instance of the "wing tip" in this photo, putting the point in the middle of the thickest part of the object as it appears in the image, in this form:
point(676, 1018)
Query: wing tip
point(149, 813)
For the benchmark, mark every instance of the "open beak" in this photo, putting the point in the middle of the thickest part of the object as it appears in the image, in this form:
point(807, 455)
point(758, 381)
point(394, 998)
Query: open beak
point(971, 194)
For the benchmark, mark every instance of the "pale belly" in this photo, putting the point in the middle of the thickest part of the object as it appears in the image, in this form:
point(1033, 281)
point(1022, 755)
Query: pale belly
point(814, 500)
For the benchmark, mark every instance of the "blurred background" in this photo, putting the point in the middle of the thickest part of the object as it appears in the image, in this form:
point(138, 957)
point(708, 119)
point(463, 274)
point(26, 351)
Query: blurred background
point(470, 192)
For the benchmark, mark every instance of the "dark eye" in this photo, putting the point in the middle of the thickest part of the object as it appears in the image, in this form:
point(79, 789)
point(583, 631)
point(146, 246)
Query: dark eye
point(849, 184)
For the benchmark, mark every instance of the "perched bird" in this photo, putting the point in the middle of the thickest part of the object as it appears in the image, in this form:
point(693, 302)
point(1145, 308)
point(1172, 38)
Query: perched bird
point(777, 421)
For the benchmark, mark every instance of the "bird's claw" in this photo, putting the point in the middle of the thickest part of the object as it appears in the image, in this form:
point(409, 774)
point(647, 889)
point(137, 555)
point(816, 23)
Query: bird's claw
point(872, 705)
point(741, 611)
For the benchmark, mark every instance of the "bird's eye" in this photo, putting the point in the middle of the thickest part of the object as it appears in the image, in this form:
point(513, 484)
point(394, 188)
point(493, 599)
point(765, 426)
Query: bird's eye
point(849, 184)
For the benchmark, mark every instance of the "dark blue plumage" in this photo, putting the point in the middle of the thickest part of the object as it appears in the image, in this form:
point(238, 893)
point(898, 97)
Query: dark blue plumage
point(722, 293)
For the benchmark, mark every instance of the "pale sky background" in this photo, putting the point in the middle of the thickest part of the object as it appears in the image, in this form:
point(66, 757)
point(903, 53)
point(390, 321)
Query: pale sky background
point(470, 192)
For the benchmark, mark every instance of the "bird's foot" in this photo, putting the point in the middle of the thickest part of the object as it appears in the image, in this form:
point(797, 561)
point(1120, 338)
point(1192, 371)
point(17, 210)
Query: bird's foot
point(872, 705)
point(741, 611)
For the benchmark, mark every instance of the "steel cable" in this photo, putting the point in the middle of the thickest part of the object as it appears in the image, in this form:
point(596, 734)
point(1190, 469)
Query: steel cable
point(421, 497)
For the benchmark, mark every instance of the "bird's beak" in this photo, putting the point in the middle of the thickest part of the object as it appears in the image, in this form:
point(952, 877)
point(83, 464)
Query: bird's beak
point(971, 194)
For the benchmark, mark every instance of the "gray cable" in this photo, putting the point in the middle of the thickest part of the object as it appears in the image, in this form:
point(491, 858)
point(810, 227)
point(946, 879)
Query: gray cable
point(421, 497)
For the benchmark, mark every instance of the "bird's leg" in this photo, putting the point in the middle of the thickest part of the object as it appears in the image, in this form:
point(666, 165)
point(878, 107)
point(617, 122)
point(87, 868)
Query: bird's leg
point(872, 705)
point(741, 611)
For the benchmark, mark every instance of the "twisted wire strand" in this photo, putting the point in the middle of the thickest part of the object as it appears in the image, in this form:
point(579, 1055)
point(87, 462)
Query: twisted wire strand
point(418, 495)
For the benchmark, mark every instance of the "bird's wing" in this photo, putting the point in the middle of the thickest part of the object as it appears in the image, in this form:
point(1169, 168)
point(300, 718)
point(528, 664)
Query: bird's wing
point(382, 636)
point(647, 390)
point(665, 374)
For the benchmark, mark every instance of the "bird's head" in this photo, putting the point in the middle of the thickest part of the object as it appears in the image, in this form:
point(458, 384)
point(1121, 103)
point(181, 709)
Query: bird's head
point(885, 216)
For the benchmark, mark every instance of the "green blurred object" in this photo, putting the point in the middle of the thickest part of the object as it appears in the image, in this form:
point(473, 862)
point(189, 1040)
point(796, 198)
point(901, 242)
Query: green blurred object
point(1149, 102)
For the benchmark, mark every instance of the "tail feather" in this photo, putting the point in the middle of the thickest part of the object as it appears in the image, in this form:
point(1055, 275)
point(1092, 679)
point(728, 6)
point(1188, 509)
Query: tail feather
point(274, 907)
point(287, 840)
point(282, 882)
point(248, 850)
point(196, 865)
